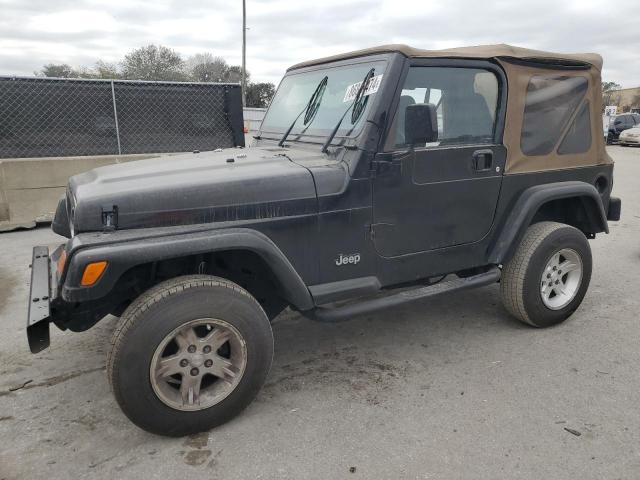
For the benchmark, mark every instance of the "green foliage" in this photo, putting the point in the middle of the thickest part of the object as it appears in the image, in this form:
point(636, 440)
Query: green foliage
point(61, 70)
point(260, 94)
point(103, 69)
point(159, 63)
point(204, 67)
point(153, 62)
point(100, 70)
point(609, 95)
point(608, 87)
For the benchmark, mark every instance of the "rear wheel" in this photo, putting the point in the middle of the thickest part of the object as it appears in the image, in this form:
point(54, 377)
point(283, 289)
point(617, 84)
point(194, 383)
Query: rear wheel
point(547, 278)
point(189, 355)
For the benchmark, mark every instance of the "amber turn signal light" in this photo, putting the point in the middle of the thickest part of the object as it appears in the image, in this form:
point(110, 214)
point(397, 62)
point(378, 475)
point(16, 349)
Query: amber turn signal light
point(92, 273)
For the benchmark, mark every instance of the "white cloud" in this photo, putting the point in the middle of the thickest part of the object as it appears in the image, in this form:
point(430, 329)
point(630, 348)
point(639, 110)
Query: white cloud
point(282, 32)
point(72, 21)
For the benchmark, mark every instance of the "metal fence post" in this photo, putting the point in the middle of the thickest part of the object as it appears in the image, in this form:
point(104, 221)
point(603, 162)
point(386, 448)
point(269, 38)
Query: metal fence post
point(115, 116)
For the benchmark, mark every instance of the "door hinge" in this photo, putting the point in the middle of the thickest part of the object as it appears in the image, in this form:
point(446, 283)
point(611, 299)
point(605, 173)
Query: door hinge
point(384, 167)
point(372, 232)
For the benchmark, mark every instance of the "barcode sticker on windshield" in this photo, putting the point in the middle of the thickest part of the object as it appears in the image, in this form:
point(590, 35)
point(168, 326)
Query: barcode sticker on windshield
point(372, 87)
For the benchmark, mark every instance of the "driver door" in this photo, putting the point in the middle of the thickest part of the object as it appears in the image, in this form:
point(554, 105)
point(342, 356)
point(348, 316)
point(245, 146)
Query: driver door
point(441, 194)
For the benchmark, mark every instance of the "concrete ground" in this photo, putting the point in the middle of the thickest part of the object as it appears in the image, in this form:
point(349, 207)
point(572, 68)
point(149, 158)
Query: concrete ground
point(451, 388)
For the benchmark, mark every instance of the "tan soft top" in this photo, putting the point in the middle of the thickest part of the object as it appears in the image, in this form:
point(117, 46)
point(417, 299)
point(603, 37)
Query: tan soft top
point(502, 51)
point(520, 65)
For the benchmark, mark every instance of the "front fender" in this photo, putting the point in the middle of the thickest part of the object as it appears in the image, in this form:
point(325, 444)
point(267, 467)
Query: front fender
point(122, 250)
point(528, 205)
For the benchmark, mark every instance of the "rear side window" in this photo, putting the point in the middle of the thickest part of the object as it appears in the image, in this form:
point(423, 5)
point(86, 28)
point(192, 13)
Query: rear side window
point(578, 137)
point(550, 104)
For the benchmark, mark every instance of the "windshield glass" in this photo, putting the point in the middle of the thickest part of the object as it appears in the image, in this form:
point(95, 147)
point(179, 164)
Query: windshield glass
point(342, 85)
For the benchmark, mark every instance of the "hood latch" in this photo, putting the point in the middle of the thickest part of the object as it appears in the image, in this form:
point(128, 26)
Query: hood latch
point(110, 217)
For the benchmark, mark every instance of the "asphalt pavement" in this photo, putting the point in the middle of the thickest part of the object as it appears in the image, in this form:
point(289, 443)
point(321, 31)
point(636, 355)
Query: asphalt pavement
point(450, 388)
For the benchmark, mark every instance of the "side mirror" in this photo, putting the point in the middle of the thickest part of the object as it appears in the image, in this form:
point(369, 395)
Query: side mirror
point(420, 124)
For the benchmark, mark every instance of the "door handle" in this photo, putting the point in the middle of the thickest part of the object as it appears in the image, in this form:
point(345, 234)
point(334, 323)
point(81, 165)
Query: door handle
point(482, 160)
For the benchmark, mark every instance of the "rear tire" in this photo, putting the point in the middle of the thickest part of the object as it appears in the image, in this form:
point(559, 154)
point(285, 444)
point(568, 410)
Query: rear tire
point(534, 288)
point(189, 354)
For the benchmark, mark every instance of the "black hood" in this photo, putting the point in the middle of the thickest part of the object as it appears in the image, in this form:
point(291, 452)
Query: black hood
point(226, 185)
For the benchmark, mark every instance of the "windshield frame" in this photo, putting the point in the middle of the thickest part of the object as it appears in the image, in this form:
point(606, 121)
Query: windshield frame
point(318, 138)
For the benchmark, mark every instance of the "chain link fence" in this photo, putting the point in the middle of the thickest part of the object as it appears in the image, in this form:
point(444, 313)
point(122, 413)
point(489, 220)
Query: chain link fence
point(46, 117)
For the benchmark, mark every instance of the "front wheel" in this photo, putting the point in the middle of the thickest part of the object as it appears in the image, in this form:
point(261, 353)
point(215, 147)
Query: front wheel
point(547, 278)
point(189, 354)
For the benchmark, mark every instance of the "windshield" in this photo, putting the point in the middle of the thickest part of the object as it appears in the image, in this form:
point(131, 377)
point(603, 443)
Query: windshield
point(341, 87)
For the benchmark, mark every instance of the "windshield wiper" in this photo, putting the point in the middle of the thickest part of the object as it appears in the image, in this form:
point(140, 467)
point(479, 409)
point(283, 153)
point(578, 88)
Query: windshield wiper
point(358, 107)
point(311, 108)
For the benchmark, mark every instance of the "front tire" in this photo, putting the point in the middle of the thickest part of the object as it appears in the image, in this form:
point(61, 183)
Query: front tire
point(547, 278)
point(189, 354)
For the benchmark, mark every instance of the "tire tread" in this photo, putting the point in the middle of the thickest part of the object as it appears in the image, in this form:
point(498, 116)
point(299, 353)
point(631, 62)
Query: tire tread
point(514, 271)
point(146, 300)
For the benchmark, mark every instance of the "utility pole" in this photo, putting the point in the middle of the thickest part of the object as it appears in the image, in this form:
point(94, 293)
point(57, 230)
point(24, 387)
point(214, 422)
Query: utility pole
point(244, 53)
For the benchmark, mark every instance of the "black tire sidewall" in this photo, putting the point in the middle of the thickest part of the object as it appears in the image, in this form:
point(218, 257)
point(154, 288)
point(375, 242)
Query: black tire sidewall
point(131, 377)
point(568, 237)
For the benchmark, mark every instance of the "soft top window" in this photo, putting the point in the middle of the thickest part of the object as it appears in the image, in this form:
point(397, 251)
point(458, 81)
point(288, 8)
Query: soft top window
point(578, 137)
point(551, 102)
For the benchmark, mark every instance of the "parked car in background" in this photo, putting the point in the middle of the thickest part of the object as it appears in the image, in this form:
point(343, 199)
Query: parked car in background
point(630, 136)
point(621, 123)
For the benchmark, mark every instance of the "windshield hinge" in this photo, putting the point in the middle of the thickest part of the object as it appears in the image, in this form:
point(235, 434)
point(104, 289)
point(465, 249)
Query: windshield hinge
point(110, 218)
point(384, 164)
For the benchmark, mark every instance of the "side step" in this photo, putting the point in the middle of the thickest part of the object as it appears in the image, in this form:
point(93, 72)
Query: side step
point(345, 312)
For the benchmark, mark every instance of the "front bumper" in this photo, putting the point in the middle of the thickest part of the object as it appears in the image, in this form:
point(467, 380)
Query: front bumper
point(41, 294)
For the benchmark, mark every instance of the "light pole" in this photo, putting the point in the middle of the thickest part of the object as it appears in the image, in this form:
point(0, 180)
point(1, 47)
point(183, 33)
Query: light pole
point(244, 53)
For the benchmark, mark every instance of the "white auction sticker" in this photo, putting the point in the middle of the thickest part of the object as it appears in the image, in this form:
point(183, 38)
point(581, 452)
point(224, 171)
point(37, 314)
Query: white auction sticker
point(372, 87)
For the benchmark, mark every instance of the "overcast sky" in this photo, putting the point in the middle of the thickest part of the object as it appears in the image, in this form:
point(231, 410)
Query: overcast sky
point(78, 32)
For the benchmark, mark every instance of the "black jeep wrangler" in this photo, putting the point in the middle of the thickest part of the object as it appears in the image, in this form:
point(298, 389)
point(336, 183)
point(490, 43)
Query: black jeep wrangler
point(378, 177)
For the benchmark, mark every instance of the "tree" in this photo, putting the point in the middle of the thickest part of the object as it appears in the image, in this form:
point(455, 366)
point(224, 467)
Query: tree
point(160, 63)
point(104, 69)
point(204, 67)
point(100, 70)
point(609, 96)
point(260, 94)
point(153, 62)
point(234, 74)
point(61, 70)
